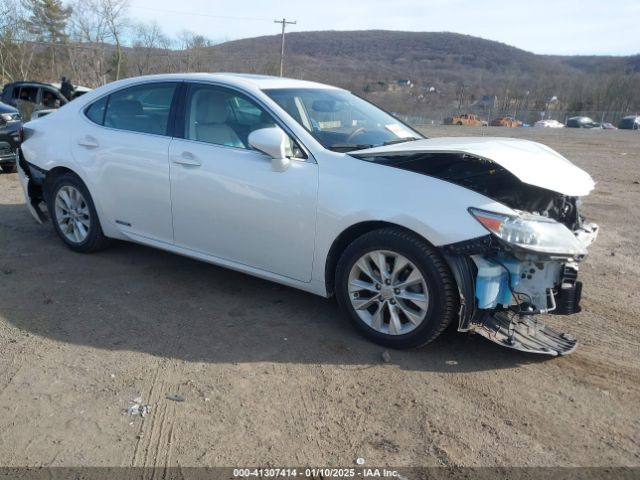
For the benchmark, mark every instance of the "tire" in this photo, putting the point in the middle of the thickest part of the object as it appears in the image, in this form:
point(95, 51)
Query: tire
point(9, 168)
point(419, 312)
point(68, 199)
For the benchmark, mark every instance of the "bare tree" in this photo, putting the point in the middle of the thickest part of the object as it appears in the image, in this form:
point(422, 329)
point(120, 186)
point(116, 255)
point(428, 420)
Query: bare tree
point(197, 52)
point(17, 50)
point(114, 13)
point(150, 44)
point(90, 33)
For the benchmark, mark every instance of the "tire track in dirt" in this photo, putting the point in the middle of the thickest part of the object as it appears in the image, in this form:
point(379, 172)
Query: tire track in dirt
point(156, 437)
point(13, 361)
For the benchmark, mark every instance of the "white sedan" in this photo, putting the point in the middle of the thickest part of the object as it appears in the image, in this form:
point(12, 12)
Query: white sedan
point(548, 124)
point(310, 186)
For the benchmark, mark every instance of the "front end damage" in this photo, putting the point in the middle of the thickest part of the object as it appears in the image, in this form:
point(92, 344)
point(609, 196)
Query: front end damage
point(527, 264)
point(505, 292)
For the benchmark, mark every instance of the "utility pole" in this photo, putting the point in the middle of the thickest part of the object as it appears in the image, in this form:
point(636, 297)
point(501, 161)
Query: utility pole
point(284, 23)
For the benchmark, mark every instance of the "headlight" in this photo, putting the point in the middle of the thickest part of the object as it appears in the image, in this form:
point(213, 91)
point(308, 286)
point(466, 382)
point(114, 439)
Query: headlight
point(9, 117)
point(531, 232)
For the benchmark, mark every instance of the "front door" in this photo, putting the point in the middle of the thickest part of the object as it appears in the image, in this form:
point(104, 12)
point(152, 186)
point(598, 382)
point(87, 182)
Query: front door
point(226, 199)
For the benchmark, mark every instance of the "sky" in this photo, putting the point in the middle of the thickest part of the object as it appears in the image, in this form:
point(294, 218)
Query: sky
point(561, 27)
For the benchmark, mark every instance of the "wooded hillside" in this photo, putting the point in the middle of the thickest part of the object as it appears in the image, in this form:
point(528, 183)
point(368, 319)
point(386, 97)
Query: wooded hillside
point(95, 41)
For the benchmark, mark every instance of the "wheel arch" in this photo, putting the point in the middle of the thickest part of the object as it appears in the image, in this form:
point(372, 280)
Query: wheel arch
point(56, 172)
point(345, 238)
point(51, 175)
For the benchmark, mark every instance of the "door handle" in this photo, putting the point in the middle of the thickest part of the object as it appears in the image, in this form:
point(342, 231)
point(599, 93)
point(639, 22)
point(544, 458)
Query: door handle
point(186, 158)
point(88, 141)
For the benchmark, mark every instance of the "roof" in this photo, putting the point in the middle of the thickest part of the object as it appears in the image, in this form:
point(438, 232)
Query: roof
point(244, 80)
point(77, 88)
point(26, 83)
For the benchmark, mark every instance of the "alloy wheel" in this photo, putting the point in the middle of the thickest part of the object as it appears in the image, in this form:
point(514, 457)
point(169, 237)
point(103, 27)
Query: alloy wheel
point(388, 292)
point(72, 214)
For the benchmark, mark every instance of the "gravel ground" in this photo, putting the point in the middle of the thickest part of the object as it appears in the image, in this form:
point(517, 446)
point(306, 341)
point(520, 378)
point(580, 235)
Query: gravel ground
point(274, 376)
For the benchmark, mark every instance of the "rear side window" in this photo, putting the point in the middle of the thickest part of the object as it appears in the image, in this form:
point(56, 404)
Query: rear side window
point(143, 108)
point(27, 94)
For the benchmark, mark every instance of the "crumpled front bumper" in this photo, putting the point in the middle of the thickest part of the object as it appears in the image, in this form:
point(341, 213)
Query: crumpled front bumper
point(502, 297)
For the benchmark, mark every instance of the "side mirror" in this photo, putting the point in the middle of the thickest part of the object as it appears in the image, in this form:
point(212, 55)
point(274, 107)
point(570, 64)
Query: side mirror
point(273, 142)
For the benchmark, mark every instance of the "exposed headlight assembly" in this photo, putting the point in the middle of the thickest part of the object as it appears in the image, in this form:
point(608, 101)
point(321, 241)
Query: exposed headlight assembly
point(531, 232)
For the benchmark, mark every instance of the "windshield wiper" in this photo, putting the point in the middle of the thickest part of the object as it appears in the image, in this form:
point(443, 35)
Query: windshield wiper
point(346, 147)
point(401, 140)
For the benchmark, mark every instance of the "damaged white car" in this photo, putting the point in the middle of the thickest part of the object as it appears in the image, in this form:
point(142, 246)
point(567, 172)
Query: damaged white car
point(312, 187)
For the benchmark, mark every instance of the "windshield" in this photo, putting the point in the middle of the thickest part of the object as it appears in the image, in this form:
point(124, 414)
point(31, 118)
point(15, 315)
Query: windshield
point(341, 121)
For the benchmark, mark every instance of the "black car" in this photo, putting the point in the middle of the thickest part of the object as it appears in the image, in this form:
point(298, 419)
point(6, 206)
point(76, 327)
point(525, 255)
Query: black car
point(582, 122)
point(631, 122)
point(10, 123)
point(29, 97)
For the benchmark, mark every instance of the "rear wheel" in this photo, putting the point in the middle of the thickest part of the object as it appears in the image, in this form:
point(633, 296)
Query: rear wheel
point(396, 288)
point(73, 214)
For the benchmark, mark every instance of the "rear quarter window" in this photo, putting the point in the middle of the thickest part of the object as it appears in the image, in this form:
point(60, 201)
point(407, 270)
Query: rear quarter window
point(95, 111)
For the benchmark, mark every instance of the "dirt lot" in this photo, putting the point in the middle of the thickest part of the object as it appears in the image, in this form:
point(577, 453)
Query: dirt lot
point(274, 376)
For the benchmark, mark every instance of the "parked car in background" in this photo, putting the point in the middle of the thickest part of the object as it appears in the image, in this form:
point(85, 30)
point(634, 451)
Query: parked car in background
point(28, 97)
point(468, 119)
point(548, 124)
point(10, 123)
point(310, 186)
point(582, 122)
point(630, 122)
point(78, 90)
point(505, 122)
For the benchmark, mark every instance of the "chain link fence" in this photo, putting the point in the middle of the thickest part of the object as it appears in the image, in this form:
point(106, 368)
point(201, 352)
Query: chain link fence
point(527, 117)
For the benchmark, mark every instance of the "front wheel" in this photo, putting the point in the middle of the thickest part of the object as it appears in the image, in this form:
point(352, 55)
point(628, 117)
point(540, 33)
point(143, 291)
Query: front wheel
point(73, 214)
point(396, 288)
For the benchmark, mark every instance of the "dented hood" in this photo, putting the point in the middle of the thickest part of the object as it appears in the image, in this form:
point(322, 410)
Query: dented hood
point(531, 162)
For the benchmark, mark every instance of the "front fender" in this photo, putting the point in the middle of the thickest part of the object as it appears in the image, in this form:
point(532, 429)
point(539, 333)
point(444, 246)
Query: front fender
point(354, 191)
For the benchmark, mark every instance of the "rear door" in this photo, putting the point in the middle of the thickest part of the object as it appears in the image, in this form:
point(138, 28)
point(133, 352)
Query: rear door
point(124, 142)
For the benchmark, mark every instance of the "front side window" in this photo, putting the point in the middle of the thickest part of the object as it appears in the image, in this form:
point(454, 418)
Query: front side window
point(143, 108)
point(52, 99)
point(222, 117)
point(341, 121)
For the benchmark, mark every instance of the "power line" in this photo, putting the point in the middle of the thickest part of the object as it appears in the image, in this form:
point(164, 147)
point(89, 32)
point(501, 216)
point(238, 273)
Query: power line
point(225, 17)
point(284, 22)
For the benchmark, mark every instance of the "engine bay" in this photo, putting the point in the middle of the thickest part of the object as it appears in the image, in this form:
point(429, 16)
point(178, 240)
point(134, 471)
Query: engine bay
point(489, 179)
